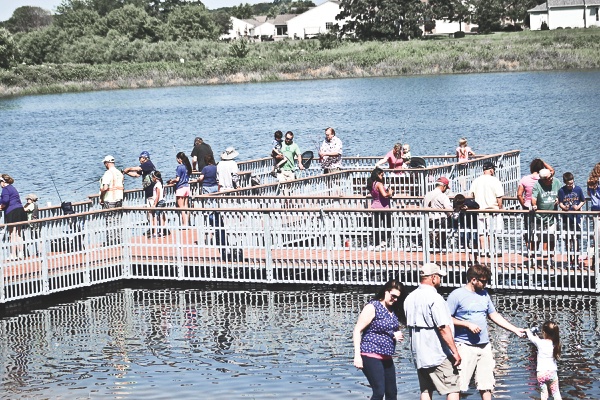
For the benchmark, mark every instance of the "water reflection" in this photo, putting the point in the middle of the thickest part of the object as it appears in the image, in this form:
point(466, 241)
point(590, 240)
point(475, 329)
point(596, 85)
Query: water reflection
point(255, 344)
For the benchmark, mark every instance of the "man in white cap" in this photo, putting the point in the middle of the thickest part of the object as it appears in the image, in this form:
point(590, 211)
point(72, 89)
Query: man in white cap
point(438, 222)
point(227, 170)
point(111, 196)
point(431, 336)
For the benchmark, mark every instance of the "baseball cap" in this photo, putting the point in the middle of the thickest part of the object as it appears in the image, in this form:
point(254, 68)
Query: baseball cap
point(443, 180)
point(545, 173)
point(488, 165)
point(144, 154)
point(431, 269)
point(109, 159)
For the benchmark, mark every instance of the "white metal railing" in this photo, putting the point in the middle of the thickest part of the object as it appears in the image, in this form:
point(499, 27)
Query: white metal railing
point(294, 245)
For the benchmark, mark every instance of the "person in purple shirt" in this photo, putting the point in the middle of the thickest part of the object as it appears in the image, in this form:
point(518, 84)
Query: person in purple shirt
point(10, 203)
point(375, 335)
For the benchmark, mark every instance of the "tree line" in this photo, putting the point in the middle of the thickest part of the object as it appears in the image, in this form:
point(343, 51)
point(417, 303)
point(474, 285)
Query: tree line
point(106, 31)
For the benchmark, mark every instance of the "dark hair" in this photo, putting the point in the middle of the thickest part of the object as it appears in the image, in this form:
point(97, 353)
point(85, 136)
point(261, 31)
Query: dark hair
point(374, 178)
point(8, 179)
point(289, 133)
point(156, 174)
point(332, 130)
point(459, 201)
point(209, 159)
point(398, 307)
point(186, 161)
point(278, 134)
point(550, 328)
point(478, 271)
point(536, 165)
point(568, 176)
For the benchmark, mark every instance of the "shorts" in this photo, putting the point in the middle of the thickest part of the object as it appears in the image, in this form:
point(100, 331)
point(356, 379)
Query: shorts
point(16, 215)
point(444, 378)
point(210, 189)
point(149, 201)
point(487, 222)
point(478, 360)
point(183, 191)
point(286, 176)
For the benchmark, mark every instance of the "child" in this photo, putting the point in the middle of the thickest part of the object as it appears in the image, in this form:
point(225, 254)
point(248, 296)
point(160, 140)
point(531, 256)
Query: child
point(406, 156)
point(159, 202)
point(571, 198)
point(278, 158)
point(463, 152)
point(31, 208)
point(548, 352)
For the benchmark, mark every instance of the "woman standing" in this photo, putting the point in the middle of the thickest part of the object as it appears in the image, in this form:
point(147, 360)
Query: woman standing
point(10, 202)
point(182, 184)
point(393, 158)
point(208, 176)
point(375, 335)
point(159, 202)
point(380, 198)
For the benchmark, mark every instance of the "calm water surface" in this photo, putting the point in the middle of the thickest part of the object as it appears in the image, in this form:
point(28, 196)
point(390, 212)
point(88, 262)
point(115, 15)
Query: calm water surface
point(242, 344)
point(547, 114)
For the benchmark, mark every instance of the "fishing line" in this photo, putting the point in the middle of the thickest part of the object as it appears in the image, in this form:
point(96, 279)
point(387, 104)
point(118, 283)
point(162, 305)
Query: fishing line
point(55, 188)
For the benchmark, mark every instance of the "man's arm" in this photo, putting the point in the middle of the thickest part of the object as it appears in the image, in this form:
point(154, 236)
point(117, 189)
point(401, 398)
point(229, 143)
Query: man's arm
point(448, 338)
point(466, 324)
point(502, 322)
point(133, 171)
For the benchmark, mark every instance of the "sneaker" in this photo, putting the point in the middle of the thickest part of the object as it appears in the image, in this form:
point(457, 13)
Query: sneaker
point(274, 174)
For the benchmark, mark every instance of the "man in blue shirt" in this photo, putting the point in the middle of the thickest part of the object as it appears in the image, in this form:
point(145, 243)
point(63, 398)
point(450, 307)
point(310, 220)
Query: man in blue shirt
point(470, 307)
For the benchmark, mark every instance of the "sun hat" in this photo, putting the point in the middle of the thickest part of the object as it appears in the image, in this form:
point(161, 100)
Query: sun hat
point(31, 197)
point(229, 154)
point(144, 154)
point(431, 269)
point(109, 159)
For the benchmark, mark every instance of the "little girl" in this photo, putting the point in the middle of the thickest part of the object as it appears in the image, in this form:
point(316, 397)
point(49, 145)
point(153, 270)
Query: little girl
point(548, 352)
point(463, 152)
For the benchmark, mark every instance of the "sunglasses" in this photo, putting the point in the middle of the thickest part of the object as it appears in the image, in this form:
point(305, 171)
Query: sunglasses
point(394, 296)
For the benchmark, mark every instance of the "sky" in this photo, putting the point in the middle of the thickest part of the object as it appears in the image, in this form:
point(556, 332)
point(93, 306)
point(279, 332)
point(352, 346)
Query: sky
point(8, 6)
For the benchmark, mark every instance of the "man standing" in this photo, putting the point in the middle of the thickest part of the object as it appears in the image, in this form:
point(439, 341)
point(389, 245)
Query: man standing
point(330, 152)
point(571, 198)
point(290, 151)
point(144, 170)
point(432, 342)
point(488, 193)
point(111, 196)
point(470, 306)
point(544, 197)
point(438, 221)
point(227, 170)
point(201, 149)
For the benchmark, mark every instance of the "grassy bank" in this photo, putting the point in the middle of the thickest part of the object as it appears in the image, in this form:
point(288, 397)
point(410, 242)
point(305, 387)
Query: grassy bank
point(290, 60)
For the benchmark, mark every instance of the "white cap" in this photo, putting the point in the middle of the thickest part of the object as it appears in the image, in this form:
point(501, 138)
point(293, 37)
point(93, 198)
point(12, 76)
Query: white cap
point(110, 159)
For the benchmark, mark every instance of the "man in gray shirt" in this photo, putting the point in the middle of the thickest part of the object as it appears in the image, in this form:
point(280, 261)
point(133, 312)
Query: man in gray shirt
point(431, 336)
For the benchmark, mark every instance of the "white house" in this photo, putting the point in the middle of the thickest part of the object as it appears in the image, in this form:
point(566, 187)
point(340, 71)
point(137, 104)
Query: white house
point(319, 19)
point(565, 13)
point(240, 28)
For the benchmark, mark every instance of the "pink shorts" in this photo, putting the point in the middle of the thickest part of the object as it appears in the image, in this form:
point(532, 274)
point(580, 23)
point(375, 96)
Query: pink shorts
point(183, 192)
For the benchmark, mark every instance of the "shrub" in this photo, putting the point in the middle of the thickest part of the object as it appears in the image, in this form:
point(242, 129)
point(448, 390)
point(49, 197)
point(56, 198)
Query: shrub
point(544, 26)
point(239, 48)
point(459, 34)
point(328, 41)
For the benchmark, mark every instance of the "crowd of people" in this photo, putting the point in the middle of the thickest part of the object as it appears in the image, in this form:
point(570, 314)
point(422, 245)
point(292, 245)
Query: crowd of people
point(449, 339)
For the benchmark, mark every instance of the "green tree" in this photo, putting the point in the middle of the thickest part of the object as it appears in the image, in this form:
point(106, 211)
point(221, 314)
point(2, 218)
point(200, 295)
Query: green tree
point(191, 22)
point(81, 22)
point(516, 10)
point(382, 19)
point(8, 49)
point(243, 11)
point(102, 7)
point(452, 10)
point(223, 20)
point(487, 14)
point(162, 8)
point(26, 19)
point(133, 22)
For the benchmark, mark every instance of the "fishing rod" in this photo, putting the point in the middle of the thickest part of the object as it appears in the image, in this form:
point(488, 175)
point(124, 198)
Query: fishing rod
point(55, 188)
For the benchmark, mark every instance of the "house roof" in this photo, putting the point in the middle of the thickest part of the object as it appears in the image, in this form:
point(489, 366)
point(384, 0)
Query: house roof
point(564, 3)
point(283, 19)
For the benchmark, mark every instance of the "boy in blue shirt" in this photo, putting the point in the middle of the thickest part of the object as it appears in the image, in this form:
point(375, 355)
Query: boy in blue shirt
point(571, 198)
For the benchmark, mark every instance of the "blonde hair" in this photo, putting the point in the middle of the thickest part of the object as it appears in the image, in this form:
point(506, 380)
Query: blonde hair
point(594, 176)
point(462, 141)
point(398, 148)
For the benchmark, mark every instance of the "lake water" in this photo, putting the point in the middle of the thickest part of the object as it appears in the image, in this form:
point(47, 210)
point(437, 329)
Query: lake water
point(223, 342)
point(65, 137)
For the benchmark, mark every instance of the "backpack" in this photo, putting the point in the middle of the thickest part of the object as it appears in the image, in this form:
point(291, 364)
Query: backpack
point(147, 181)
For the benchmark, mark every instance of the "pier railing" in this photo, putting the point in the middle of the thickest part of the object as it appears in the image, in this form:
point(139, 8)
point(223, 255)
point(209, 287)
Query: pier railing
point(297, 245)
